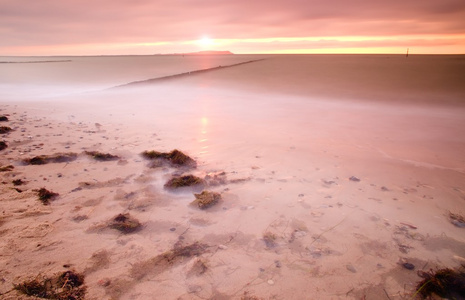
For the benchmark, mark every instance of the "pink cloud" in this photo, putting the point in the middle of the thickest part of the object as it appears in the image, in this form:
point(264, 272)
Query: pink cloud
point(54, 22)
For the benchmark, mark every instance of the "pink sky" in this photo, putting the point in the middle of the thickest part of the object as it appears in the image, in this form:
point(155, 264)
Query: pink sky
point(84, 27)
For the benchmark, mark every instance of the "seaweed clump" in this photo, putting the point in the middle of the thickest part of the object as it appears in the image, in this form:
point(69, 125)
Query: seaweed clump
point(198, 268)
point(3, 145)
point(175, 157)
point(446, 283)
point(7, 168)
point(65, 286)
point(353, 178)
point(167, 259)
point(248, 296)
point(457, 220)
point(5, 129)
point(270, 239)
point(125, 223)
point(3, 119)
point(45, 196)
point(55, 158)
point(102, 156)
point(184, 181)
point(206, 199)
point(17, 182)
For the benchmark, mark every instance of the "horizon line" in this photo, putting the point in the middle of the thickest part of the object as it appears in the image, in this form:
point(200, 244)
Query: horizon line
point(199, 53)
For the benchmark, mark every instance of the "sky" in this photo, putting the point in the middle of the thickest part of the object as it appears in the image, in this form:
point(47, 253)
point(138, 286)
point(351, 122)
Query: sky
point(115, 27)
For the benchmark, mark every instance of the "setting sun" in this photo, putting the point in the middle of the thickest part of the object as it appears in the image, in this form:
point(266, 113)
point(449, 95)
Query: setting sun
point(206, 41)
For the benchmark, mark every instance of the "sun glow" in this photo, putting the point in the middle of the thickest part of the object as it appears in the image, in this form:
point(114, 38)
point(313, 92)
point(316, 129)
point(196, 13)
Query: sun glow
point(206, 41)
point(418, 44)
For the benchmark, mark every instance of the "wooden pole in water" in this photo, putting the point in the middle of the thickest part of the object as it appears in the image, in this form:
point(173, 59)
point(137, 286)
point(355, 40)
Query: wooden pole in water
point(407, 53)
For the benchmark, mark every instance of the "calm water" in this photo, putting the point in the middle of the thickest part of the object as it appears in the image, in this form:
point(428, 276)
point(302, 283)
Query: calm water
point(424, 78)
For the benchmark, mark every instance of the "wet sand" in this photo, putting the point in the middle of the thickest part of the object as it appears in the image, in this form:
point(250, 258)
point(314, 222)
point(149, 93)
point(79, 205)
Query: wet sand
point(320, 199)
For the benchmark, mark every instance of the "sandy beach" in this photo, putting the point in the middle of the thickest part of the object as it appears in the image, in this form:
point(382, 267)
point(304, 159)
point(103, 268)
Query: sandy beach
point(322, 197)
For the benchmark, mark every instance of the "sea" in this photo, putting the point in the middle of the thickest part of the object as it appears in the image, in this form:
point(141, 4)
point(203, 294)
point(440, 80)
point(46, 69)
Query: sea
point(397, 78)
point(378, 101)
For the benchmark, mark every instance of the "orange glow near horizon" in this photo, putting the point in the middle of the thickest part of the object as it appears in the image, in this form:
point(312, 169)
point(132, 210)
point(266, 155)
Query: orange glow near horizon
point(146, 27)
point(419, 44)
point(206, 41)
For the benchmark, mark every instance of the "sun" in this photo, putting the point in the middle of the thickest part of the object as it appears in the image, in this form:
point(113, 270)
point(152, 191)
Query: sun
point(205, 41)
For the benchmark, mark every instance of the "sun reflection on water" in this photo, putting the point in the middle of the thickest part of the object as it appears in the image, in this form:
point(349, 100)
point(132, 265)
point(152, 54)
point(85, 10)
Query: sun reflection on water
point(203, 136)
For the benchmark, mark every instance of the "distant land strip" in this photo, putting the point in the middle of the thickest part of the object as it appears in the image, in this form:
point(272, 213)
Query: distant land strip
point(176, 76)
point(34, 61)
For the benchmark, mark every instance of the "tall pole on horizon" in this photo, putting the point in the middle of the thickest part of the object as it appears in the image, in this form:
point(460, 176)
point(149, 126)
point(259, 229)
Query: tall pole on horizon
point(407, 53)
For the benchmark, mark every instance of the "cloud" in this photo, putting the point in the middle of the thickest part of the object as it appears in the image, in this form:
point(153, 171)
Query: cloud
point(25, 23)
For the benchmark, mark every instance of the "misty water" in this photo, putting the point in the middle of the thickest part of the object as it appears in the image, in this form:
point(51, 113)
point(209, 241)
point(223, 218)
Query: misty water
point(282, 96)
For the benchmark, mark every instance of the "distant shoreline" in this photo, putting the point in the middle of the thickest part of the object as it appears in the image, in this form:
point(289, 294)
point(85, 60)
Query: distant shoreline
point(199, 53)
point(34, 61)
point(206, 54)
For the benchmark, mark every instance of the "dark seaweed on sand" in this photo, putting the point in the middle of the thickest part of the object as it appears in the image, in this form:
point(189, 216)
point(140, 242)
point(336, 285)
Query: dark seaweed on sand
point(457, 220)
point(206, 199)
point(7, 168)
point(102, 156)
point(270, 239)
point(3, 145)
point(3, 119)
point(4, 129)
point(167, 259)
point(184, 181)
point(55, 158)
point(446, 283)
point(248, 296)
point(68, 285)
point(353, 178)
point(45, 195)
point(17, 182)
point(125, 223)
point(198, 268)
point(174, 157)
